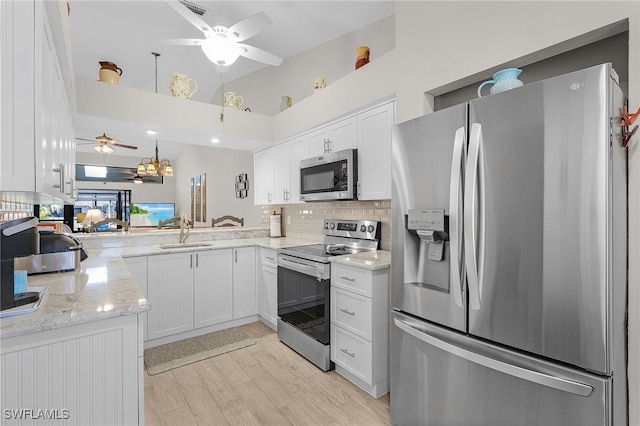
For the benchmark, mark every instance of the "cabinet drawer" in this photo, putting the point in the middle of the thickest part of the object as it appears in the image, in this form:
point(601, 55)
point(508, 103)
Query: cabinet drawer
point(357, 280)
point(268, 257)
point(352, 312)
point(352, 353)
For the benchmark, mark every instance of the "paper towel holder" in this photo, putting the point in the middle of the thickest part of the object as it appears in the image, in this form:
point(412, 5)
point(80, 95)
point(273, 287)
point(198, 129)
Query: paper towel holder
point(276, 229)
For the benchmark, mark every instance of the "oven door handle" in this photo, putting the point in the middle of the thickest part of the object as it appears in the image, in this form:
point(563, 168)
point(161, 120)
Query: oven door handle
point(299, 267)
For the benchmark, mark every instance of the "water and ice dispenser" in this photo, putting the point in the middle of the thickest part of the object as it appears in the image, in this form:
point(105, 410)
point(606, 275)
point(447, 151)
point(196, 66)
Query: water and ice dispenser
point(427, 248)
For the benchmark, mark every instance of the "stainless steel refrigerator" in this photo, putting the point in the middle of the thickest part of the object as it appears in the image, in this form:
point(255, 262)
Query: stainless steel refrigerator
point(509, 259)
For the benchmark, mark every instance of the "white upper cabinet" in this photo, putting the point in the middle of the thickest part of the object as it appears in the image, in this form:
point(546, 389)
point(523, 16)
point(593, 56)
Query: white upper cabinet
point(281, 184)
point(38, 142)
point(374, 152)
point(263, 177)
point(277, 169)
point(333, 137)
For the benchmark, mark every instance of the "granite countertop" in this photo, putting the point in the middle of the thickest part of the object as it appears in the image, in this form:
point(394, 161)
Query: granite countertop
point(104, 288)
point(372, 260)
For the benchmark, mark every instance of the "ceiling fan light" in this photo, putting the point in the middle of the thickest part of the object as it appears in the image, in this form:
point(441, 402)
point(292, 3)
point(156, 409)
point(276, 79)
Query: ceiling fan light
point(107, 149)
point(137, 179)
point(221, 51)
point(98, 148)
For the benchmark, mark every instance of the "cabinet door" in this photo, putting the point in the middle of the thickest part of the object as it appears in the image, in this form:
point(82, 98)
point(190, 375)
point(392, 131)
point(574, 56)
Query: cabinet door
point(244, 282)
point(343, 135)
point(281, 167)
point(270, 300)
point(317, 142)
point(263, 177)
point(212, 288)
point(170, 287)
point(374, 152)
point(138, 268)
point(298, 151)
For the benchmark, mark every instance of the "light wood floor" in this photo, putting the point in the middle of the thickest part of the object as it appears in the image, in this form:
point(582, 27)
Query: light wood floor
point(263, 384)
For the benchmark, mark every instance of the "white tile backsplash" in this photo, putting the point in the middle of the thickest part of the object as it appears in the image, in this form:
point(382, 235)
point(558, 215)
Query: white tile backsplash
point(306, 219)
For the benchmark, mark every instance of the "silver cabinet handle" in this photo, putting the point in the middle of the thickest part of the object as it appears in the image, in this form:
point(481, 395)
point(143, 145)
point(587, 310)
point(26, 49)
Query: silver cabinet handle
point(60, 170)
point(70, 182)
point(268, 197)
point(351, 354)
point(191, 261)
point(348, 279)
point(235, 252)
point(353, 314)
point(559, 383)
point(457, 272)
point(268, 257)
point(197, 260)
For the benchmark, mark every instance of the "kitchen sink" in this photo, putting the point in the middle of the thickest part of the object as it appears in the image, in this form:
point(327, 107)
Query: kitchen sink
point(184, 245)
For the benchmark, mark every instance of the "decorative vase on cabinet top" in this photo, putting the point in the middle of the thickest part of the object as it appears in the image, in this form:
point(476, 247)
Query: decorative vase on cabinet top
point(363, 56)
point(109, 72)
point(506, 79)
point(180, 86)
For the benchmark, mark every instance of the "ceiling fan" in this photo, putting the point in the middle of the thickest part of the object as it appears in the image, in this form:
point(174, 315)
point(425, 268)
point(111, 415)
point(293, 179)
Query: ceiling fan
point(221, 44)
point(105, 144)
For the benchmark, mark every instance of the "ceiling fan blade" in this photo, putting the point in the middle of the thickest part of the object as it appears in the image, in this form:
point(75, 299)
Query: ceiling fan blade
point(248, 27)
point(193, 19)
point(88, 140)
point(186, 41)
point(121, 145)
point(259, 55)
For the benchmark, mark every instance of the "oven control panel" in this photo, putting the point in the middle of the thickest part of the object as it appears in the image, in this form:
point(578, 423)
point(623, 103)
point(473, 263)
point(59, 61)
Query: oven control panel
point(363, 229)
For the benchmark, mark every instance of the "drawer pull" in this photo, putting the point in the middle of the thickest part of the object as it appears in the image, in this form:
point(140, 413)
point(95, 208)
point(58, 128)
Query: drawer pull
point(353, 314)
point(352, 355)
point(348, 279)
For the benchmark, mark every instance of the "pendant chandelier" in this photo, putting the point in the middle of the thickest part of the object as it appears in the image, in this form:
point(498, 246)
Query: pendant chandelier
point(154, 166)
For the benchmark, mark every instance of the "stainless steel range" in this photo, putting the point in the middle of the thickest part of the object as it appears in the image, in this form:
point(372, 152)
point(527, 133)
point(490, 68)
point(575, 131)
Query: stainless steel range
point(304, 277)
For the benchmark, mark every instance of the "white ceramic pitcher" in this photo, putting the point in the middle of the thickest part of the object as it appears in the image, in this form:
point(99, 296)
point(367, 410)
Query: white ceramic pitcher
point(180, 86)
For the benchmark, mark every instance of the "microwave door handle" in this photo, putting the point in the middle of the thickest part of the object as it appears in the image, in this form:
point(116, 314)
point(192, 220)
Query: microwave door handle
point(457, 272)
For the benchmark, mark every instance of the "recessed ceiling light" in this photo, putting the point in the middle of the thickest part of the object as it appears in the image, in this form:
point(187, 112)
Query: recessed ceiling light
point(151, 132)
point(215, 140)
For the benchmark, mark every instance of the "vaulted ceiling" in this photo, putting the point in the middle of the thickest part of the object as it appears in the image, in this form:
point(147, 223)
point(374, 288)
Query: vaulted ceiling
point(126, 32)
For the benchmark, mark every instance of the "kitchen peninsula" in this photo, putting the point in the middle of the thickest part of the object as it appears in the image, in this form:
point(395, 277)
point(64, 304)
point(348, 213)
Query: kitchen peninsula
point(81, 353)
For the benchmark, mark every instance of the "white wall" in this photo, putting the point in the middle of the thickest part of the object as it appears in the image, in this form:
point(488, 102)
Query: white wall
point(263, 89)
point(145, 193)
point(221, 167)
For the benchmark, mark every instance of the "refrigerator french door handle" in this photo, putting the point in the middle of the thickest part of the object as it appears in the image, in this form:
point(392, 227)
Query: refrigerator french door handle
point(473, 228)
point(455, 218)
point(562, 384)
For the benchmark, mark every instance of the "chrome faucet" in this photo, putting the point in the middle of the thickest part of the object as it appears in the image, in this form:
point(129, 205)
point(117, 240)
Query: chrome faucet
point(184, 228)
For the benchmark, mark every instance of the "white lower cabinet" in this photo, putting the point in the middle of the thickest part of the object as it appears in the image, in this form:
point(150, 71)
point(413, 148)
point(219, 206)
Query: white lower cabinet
point(267, 282)
point(170, 293)
point(360, 326)
point(212, 288)
point(193, 290)
point(85, 374)
point(245, 301)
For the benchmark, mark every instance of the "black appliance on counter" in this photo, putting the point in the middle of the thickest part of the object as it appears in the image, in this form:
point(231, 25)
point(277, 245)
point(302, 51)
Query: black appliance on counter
point(17, 238)
point(304, 278)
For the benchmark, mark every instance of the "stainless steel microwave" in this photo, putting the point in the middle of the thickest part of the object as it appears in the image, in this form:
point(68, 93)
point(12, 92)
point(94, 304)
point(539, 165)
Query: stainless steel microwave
point(332, 176)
